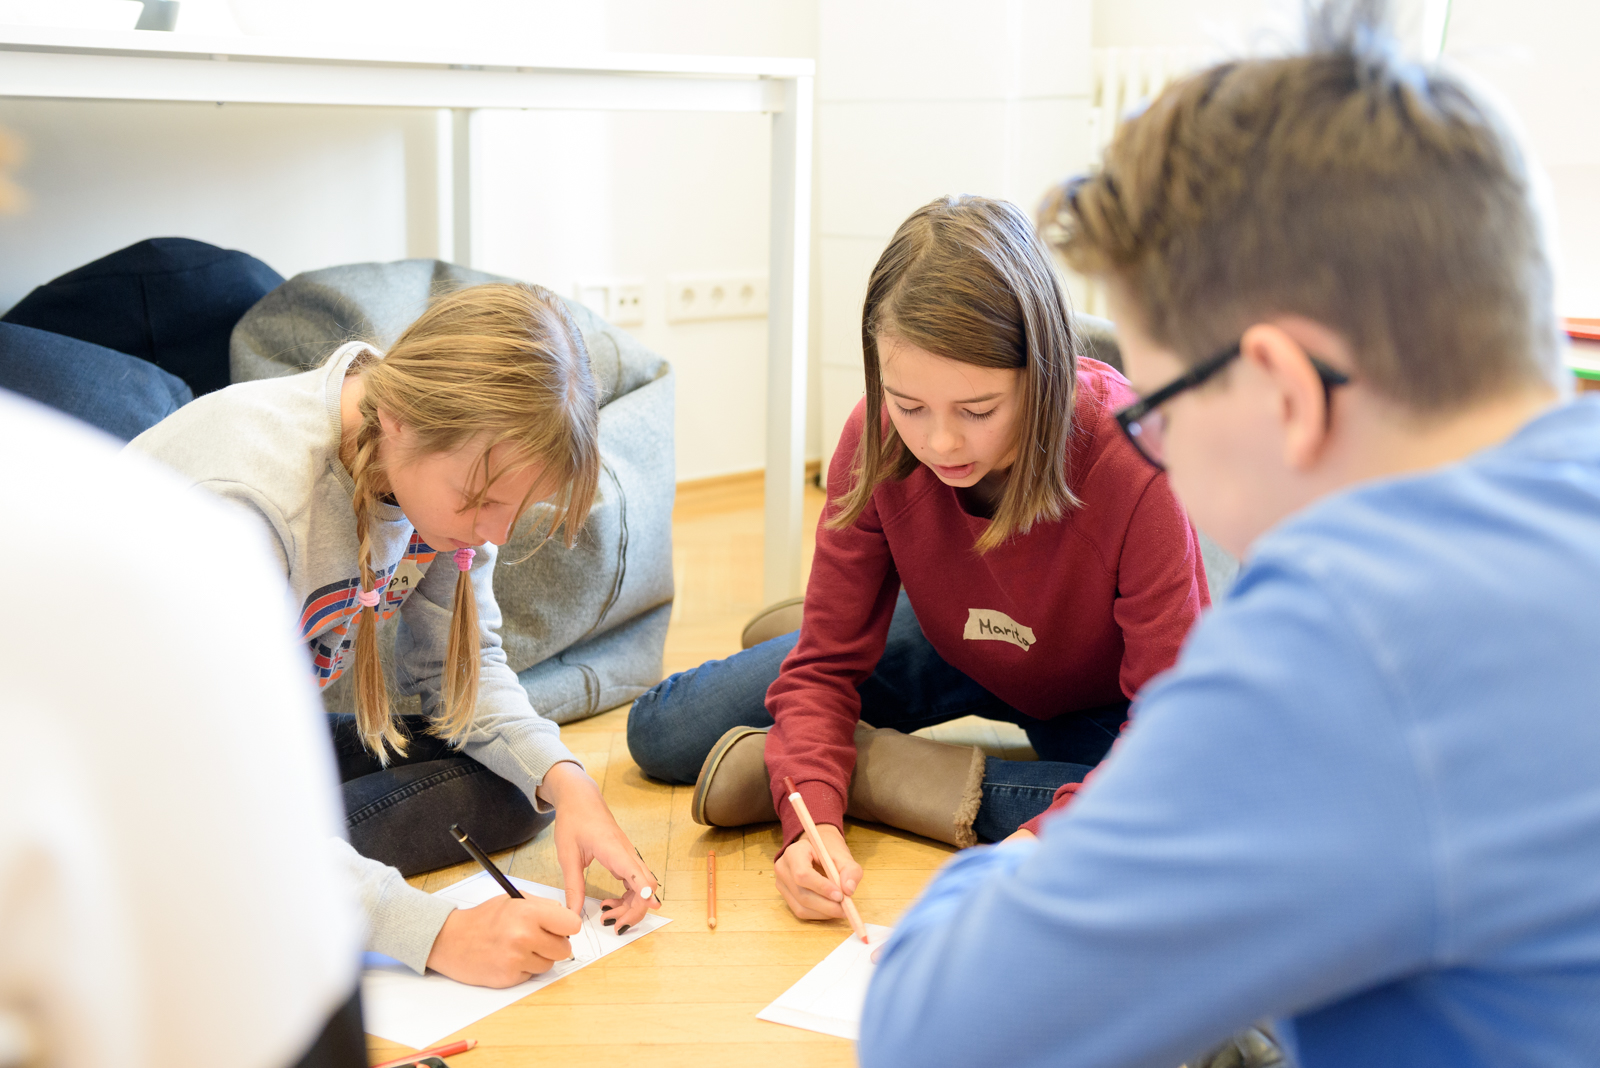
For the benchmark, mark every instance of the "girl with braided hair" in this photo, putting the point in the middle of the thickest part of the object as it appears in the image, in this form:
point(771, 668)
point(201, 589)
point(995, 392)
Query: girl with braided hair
point(385, 483)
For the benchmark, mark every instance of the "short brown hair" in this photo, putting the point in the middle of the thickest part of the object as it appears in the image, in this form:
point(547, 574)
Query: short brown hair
point(1375, 196)
point(966, 278)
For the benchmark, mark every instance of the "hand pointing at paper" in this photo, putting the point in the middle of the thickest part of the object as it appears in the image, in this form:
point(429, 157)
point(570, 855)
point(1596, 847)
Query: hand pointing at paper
point(586, 832)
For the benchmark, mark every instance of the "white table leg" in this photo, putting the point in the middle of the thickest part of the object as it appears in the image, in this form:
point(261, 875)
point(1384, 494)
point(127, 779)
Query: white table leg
point(787, 317)
point(461, 167)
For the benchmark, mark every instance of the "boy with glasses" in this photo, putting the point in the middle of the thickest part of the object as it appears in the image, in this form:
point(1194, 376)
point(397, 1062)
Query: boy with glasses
point(1366, 801)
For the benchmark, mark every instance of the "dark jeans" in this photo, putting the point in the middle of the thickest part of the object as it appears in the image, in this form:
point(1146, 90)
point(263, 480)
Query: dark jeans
point(402, 814)
point(672, 727)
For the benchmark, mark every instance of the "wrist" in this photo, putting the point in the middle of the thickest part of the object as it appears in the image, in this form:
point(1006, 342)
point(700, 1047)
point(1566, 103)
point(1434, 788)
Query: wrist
point(565, 782)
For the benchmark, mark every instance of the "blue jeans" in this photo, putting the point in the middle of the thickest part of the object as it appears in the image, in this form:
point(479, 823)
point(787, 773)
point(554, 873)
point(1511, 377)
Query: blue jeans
point(672, 727)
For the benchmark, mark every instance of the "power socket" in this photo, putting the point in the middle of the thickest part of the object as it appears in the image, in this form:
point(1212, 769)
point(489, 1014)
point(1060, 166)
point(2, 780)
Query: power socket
point(619, 301)
point(692, 297)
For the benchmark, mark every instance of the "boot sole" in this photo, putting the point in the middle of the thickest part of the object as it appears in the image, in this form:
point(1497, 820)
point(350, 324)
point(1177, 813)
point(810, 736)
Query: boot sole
point(708, 770)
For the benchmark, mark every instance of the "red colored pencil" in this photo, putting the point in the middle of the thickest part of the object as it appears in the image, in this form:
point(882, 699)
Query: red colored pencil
point(448, 1050)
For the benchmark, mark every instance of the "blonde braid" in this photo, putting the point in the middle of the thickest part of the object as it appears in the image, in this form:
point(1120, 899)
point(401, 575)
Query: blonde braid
point(463, 654)
point(377, 727)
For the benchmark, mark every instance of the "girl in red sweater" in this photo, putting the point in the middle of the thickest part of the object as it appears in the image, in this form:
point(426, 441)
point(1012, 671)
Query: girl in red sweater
point(994, 546)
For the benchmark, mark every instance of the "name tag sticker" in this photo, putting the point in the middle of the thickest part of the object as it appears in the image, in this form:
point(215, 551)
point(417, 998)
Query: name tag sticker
point(987, 625)
point(406, 576)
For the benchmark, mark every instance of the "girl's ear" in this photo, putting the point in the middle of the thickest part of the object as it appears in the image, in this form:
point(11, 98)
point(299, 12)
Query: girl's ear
point(391, 426)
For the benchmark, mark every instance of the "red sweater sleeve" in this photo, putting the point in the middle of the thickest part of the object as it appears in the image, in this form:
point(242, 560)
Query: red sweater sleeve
point(1064, 796)
point(850, 600)
point(1161, 585)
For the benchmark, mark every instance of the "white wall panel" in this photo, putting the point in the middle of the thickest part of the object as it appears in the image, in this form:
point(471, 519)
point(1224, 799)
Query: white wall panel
point(1052, 144)
point(883, 160)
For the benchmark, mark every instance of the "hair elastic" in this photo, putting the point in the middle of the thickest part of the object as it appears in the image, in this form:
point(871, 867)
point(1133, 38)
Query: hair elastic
point(369, 598)
point(464, 558)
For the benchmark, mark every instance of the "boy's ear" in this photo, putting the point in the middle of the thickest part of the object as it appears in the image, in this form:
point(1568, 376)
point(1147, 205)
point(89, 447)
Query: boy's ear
point(1279, 352)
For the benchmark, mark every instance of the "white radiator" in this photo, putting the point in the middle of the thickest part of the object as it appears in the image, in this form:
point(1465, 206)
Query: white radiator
point(1125, 81)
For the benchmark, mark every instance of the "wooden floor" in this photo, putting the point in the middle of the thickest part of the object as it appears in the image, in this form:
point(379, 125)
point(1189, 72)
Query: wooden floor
point(687, 995)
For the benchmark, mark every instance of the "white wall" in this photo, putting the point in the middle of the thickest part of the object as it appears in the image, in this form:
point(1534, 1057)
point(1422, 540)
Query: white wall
point(298, 187)
point(918, 98)
point(563, 196)
point(1538, 56)
point(1222, 24)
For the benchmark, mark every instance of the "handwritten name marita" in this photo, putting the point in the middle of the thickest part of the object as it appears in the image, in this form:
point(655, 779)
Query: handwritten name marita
point(985, 624)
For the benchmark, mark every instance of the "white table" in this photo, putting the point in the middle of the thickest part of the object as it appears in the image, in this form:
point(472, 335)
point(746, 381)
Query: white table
point(142, 65)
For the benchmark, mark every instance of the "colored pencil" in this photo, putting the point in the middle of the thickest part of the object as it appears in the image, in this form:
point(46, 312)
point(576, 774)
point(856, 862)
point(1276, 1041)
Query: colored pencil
point(711, 889)
point(826, 860)
point(449, 1050)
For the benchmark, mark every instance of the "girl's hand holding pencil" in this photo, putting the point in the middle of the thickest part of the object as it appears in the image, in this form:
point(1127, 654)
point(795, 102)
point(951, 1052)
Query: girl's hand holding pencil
point(504, 941)
point(814, 894)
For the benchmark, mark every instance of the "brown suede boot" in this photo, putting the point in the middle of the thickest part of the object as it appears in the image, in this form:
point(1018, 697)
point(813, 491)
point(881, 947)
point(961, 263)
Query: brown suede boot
point(733, 789)
point(780, 617)
point(917, 784)
point(913, 784)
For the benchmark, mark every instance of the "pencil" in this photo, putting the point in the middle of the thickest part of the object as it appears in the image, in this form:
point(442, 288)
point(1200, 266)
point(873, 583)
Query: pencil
point(711, 889)
point(645, 893)
point(821, 850)
point(483, 860)
point(449, 1050)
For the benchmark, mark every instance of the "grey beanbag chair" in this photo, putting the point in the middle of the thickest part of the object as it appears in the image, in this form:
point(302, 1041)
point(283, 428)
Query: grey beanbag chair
point(584, 627)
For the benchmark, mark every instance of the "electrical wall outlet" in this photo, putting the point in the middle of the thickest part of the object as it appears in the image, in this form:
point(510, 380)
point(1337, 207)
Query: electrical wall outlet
point(693, 297)
point(619, 301)
point(627, 304)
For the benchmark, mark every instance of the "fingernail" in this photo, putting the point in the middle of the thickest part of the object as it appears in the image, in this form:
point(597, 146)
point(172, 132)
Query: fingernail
point(850, 887)
point(605, 908)
point(624, 928)
point(608, 923)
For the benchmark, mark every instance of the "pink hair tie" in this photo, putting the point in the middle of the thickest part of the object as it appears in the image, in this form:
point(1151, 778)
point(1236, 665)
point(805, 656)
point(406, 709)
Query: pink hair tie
point(464, 558)
point(369, 598)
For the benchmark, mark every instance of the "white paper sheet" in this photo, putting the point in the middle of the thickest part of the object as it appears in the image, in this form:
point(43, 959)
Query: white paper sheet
point(418, 1010)
point(829, 997)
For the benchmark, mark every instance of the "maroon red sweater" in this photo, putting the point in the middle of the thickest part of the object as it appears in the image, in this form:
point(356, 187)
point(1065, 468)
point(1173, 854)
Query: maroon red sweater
point(1073, 615)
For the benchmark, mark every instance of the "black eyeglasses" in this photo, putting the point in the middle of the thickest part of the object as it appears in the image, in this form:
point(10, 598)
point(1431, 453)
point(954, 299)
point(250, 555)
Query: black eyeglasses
point(1146, 425)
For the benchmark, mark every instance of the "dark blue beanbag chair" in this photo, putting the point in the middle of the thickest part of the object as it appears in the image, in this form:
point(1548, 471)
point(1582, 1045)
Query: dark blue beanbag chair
point(168, 300)
point(121, 394)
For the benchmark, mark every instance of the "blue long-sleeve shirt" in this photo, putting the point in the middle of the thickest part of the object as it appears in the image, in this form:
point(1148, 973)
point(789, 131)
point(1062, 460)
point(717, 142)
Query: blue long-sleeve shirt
point(1365, 801)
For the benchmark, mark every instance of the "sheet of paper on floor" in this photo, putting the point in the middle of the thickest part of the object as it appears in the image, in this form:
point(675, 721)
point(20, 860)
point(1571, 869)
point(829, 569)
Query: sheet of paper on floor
point(418, 1010)
point(829, 997)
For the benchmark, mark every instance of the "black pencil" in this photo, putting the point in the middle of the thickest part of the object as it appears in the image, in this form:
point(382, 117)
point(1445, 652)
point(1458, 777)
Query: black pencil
point(483, 859)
